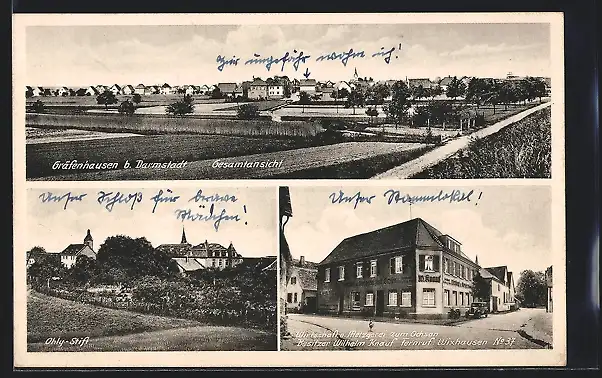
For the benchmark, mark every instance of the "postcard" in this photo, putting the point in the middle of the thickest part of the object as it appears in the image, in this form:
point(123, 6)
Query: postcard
point(279, 190)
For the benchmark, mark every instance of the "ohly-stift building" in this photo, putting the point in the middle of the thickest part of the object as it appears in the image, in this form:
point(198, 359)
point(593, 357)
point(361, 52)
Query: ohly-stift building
point(407, 269)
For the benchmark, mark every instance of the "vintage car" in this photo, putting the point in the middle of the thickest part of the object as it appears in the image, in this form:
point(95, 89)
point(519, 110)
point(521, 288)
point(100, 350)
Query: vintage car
point(478, 309)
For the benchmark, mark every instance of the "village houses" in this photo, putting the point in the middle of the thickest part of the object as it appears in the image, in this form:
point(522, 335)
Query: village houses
point(301, 292)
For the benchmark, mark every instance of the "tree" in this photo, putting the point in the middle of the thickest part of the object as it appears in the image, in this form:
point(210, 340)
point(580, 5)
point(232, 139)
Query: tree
point(455, 88)
point(531, 288)
point(419, 92)
point(37, 107)
point(435, 90)
point(287, 91)
point(216, 93)
point(372, 113)
point(41, 272)
point(248, 111)
point(123, 258)
point(106, 98)
point(304, 100)
point(376, 94)
point(136, 98)
point(476, 91)
point(182, 107)
point(355, 99)
point(481, 288)
point(84, 269)
point(400, 103)
point(127, 107)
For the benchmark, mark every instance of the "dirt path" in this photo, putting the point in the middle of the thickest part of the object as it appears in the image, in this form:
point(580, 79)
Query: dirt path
point(439, 154)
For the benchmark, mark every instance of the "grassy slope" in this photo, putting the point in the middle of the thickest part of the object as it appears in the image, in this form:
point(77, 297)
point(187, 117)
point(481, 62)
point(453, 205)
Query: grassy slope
point(118, 330)
point(522, 150)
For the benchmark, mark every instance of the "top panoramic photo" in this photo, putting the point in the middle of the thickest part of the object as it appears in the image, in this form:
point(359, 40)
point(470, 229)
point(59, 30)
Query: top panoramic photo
point(288, 101)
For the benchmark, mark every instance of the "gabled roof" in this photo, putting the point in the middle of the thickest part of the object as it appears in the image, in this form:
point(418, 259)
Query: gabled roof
point(227, 87)
point(272, 266)
point(140, 86)
point(306, 264)
point(409, 234)
point(73, 249)
point(417, 82)
point(258, 82)
point(257, 262)
point(307, 82)
point(166, 86)
point(500, 272)
point(308, 279)
point(446, 80)
point(188, 264)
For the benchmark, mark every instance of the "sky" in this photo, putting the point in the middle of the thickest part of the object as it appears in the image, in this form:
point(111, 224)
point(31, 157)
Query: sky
point(508, 225)
point(51, 226)
point(187, 54)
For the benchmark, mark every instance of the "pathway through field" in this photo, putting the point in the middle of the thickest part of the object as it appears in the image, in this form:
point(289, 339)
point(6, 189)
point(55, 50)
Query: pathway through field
point(435, 156)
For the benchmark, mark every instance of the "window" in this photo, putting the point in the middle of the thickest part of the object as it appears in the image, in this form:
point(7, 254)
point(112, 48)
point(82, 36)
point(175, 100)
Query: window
point(327, 275)
point(469, 276)
point(462, 271)
point(369, 299)
point(457, 269)
point(373, 268)
point(398, 264)
point(392, 298)
point(295, 300)
point(428, 263)
point(428, 297)
point(468, 299)
point(359, 273)
point(446, 265)
point(462, 299)
point(213, 264)
point(289, 297)
point(355, 299)
point(293, 280)
point(453, 268)
point(455, 298)
point(446, 298)
point(341, 273)
point(221, 263)
point(406, 299)
point(498, 287)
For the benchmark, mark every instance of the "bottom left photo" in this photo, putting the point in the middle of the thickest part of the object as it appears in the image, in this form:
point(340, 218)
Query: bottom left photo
point(152, 269)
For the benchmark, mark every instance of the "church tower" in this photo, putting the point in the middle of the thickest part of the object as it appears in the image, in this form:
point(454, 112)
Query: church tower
point(183, 241)
point(476, 259)
point(355, 75)
point(89, 241)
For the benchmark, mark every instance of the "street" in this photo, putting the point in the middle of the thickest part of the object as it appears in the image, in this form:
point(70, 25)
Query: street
point(498, 331)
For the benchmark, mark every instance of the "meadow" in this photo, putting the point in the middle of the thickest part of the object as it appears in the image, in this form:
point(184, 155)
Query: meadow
point(522, 150)
point(120, 330)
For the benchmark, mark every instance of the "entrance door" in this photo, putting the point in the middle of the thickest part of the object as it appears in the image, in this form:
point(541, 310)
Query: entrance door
point(341, 304)
point(494, 300)
point(310, 307)
point(380, 302)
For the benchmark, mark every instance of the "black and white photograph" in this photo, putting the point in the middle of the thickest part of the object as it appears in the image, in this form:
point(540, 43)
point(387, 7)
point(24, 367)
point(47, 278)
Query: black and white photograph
point(288, 101)
point(417, 268)
point(163, 269)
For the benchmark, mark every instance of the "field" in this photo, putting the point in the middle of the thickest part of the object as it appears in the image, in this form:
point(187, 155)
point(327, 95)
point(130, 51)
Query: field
point(155, 124)
point(261, 105)
point(346, 160)
point(522, 150)
point(154, 148)
point(118, 330)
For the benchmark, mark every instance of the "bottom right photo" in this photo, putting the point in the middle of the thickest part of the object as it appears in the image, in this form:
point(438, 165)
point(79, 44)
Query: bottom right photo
point(425, 268)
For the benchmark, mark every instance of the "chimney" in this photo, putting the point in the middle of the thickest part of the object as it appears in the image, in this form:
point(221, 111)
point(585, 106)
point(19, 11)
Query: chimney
point(302, 260)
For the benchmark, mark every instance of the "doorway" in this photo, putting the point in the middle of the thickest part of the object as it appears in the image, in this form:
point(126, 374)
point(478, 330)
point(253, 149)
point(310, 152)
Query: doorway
point(341, 304)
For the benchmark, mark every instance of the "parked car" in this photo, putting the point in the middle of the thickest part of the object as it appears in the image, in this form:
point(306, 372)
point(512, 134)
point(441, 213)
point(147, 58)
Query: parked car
point(478, 309)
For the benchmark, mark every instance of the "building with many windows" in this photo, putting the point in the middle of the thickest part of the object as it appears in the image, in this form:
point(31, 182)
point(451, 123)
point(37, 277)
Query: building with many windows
point(301, 287)
point(407, 269)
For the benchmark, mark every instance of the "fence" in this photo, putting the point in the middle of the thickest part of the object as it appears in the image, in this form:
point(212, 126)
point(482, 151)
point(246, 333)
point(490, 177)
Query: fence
point(263, 317)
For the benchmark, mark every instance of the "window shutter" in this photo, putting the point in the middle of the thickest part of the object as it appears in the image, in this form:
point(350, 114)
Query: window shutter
point(392, 265)
point(366, 268)
point(421, 263)
point(436, 263)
